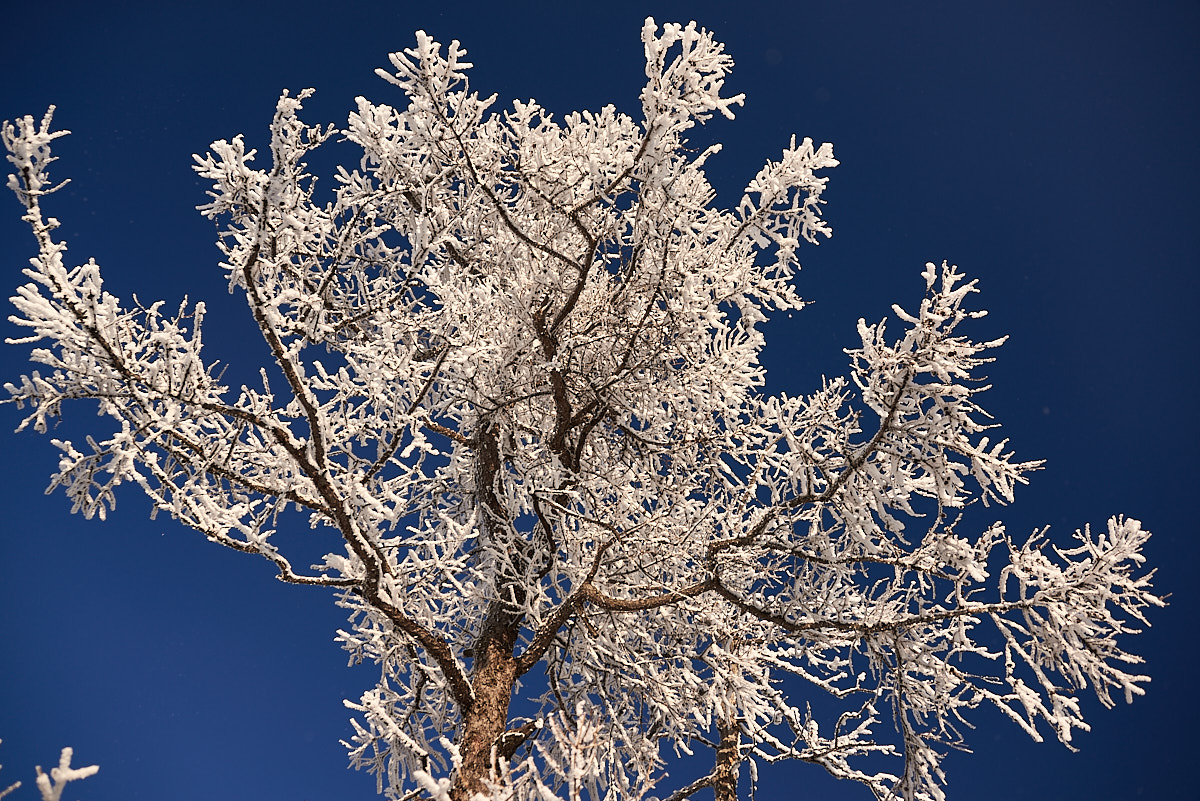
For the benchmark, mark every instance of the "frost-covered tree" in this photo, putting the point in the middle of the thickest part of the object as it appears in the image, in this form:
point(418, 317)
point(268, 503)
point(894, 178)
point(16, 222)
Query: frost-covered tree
point(515, 384)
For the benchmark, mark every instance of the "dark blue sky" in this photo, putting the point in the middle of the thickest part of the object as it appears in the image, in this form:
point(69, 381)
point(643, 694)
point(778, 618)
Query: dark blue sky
point(1048, 148)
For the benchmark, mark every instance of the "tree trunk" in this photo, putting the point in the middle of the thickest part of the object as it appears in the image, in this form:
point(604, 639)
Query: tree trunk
point(492, 681)
point(495, 668)
point(725, 773)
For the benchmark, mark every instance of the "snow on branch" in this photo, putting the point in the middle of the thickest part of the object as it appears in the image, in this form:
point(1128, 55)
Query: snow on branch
point(51, 785)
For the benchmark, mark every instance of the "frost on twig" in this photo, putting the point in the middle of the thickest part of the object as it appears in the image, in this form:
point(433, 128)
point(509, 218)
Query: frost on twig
point(51, 786)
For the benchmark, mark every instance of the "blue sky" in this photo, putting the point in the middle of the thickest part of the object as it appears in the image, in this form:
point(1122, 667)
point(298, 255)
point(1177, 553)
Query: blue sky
point(1045, 147)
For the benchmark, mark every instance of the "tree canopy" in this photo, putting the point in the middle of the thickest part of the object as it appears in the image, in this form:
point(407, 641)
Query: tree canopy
point(515, 384)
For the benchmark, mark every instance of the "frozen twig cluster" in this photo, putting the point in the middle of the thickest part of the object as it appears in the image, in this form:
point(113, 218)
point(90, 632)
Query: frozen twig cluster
point(515, 380)
point(51, 785)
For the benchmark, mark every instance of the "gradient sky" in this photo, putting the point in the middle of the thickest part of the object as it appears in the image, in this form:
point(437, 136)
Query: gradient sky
point(1047, 147)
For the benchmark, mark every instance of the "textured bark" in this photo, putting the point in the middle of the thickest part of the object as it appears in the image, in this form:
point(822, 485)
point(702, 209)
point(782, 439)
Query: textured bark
point(486, 720)
point(725, 773)
point(495, 668)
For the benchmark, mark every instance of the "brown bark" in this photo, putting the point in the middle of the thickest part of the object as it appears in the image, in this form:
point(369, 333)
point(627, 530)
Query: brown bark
point(725, 773)
point(495, 668)
point(487, 718)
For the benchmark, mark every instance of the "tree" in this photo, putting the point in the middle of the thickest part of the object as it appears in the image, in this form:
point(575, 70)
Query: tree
point(514, 377)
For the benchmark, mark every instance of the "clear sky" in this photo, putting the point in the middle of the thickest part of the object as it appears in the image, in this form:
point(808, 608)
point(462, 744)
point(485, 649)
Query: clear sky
point(1047, 147)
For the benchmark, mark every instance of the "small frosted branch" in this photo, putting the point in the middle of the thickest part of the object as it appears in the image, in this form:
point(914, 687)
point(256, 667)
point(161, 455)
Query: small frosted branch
point(51, 786)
